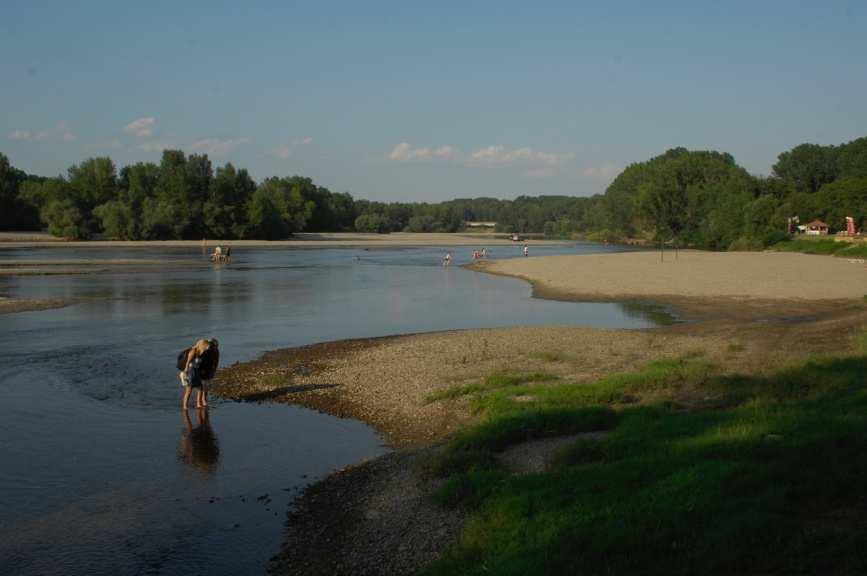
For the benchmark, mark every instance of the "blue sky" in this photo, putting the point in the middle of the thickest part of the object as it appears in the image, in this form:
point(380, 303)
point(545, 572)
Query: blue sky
point(421, 101)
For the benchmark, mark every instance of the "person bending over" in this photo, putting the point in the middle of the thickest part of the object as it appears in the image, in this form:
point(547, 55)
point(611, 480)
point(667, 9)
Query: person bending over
point(192, 374)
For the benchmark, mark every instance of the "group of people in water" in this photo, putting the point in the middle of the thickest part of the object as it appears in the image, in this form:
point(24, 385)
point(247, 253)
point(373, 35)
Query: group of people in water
point(221, 254)
point(478, 255)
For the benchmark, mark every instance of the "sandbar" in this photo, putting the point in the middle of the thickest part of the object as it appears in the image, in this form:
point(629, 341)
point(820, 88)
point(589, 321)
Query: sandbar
point(693, 274)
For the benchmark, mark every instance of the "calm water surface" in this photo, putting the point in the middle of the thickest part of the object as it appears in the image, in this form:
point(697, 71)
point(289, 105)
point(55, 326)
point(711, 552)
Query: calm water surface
point(102, 474)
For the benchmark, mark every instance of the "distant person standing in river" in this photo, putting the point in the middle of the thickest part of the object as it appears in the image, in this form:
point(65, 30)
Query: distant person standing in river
point(447, 259)
point(526, 250)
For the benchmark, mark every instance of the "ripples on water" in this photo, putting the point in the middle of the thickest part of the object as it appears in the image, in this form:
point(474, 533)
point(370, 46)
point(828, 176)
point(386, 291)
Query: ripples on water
point(102, 474)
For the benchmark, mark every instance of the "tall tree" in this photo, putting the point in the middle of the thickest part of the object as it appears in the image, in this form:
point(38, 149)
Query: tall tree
point(807, 166)
point(172, 203)
point(268, 213)
point(93, 182)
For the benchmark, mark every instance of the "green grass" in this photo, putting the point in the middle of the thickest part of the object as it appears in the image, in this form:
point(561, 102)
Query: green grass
point(773, 484)
point(854, 251)
point(823, 246)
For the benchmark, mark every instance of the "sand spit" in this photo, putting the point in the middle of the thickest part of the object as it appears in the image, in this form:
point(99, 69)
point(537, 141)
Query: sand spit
point(641, 275)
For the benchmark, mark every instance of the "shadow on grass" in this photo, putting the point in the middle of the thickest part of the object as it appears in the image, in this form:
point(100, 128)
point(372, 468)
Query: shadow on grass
point(773, 484)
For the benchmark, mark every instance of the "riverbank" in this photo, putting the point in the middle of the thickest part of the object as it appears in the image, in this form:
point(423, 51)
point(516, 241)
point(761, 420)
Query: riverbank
point(421, 391)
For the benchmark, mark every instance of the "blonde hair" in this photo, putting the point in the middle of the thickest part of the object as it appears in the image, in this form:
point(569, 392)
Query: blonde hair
point(201, 346)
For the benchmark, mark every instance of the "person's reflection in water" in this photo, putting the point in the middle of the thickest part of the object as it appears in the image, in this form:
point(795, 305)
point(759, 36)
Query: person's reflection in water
point(199, 447)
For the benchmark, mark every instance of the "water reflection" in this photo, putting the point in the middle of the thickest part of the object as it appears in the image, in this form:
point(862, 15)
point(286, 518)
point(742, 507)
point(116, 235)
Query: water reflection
point(199, 446)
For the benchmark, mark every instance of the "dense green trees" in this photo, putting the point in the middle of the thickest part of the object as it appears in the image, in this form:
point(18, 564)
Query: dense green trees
point(16, 213)
point(705, 200)
point(693, 198)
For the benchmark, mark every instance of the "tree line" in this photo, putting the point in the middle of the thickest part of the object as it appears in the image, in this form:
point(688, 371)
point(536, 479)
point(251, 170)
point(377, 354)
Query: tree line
point(694, 198)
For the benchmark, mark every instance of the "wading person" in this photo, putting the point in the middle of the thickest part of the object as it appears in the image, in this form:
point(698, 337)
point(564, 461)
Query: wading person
point(191, 374)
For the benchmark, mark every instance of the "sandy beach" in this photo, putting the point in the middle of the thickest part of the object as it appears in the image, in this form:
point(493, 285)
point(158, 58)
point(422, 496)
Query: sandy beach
point(693, 274)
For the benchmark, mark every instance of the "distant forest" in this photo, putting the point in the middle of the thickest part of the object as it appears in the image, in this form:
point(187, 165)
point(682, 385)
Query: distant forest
point(695, 198)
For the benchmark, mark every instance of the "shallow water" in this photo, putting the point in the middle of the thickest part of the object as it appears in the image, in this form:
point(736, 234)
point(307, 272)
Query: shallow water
point(101, 473)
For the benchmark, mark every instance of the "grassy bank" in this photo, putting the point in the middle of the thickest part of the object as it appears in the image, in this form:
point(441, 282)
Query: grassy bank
point(698, 472)
point(823, 246)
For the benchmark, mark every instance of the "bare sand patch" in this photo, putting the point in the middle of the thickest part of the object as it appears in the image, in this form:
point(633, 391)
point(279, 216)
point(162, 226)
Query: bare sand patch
point(694, 274)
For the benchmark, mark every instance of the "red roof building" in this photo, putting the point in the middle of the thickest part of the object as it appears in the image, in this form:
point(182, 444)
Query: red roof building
point(816, 228)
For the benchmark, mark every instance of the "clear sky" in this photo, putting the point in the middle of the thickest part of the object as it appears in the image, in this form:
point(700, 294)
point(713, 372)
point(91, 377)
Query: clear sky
point(418, 101)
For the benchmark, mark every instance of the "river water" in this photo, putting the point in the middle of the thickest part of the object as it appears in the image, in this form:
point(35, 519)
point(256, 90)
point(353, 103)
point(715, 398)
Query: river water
point(101, 472)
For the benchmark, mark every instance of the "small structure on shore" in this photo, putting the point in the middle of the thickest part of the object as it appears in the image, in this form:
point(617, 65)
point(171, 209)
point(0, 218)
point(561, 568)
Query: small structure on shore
point(816, 228)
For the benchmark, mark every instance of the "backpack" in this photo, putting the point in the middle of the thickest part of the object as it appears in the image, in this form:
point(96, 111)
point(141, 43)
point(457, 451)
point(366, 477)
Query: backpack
point(182, 359)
